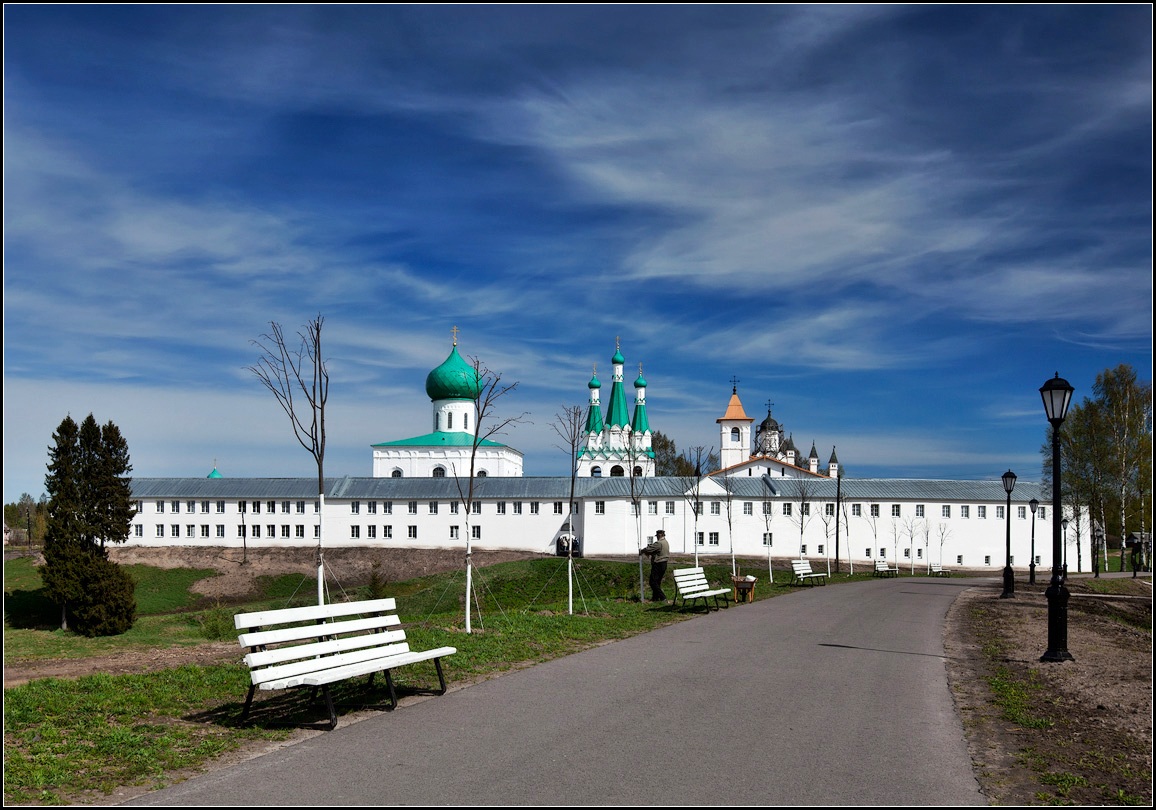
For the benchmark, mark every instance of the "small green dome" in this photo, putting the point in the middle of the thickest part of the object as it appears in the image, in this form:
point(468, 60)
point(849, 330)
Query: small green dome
point(453, 379)
point(594, 383)
point(640, 382)
point(617, 359)
point(214, 474)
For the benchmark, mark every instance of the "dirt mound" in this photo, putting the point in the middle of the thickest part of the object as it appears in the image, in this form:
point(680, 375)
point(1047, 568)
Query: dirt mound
point(344, 567)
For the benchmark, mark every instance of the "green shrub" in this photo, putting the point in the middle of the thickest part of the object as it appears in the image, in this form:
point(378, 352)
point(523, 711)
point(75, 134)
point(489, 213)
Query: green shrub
point(217, 624)
point(106, 605)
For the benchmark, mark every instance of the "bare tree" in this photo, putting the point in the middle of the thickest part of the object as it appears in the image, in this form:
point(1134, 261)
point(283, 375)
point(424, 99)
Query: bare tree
point(692, 489)
point(637, 487)
point(872, 517)
point(943, 532)
point(830, 518)
point(486, 425)
point(730, 499)
point(910, 530)
point(299, 381)
point(568, 425)
point(800, 489)
point(768, 516)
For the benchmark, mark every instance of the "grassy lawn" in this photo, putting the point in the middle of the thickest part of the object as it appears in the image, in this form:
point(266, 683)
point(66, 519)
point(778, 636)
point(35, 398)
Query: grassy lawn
point(76, 740)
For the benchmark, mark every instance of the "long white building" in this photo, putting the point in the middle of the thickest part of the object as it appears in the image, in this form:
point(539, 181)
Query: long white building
point(764, 502)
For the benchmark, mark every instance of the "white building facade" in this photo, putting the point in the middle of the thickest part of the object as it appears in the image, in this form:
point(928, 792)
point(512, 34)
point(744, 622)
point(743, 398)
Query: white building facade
point(907, 522)
point(764, 502)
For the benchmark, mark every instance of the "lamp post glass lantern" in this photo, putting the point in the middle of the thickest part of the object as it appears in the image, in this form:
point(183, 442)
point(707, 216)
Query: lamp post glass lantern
point(1057, 395)
point(1009, 579)
point(1033, 504)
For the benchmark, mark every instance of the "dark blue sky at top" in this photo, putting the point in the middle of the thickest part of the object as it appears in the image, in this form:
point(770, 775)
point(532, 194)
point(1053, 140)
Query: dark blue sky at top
point(855, 210)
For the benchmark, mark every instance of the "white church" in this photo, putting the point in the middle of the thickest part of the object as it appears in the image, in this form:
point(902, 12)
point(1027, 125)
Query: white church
point(765, 500)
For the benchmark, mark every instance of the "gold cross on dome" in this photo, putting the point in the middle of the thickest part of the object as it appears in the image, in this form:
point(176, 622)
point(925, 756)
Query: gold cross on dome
point(455, 334)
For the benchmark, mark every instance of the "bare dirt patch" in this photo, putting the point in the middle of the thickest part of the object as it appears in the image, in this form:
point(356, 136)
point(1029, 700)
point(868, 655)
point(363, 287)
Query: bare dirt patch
point(1094, 743)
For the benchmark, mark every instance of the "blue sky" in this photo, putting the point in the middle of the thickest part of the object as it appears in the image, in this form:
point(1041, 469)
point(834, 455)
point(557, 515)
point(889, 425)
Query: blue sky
point(894, 223)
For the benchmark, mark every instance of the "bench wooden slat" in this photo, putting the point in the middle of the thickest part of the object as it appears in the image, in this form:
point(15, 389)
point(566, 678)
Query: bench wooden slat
point(244, 621)
point(279, 671)
point(268, 658)
point(261, 637)
point(377, 665)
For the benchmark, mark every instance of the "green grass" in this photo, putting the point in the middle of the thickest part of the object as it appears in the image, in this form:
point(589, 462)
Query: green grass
point(75, 740)
point(68, 739)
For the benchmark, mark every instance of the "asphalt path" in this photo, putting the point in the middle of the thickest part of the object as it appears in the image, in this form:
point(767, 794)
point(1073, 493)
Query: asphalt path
point(830, 695)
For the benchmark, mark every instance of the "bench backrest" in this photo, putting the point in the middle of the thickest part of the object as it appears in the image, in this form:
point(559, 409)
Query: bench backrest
point(690, 580)
point(801, 566)
point(287, 642)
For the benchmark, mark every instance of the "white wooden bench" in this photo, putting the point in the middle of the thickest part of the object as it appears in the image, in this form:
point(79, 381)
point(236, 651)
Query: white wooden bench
point(692, 586)
point(937, 570)
point(319, 645)
point(883, 570)
point(804, 574)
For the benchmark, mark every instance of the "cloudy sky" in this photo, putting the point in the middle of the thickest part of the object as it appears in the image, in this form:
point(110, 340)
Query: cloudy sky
point(893, 223)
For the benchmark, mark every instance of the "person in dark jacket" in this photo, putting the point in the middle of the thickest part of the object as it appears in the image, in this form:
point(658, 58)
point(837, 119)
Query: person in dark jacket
point(659, 553)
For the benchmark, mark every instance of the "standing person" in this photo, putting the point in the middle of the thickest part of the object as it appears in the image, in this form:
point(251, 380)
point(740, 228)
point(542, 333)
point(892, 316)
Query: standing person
point(659, 553)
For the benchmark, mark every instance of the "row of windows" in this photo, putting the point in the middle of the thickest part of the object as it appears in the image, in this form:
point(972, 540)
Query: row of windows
point(192, 531)
point(829, 509)
point(411, 532)
point(386, 507)
point(254, 530)
point(615, 472)
point(190, 507)
point(432, 507)
point(438, 472)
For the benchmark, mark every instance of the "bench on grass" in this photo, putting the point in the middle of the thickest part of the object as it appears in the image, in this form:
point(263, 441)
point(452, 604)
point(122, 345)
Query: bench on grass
point(692, 586)
point(322, 644)
point(937, 570)
point(883, 570)
point(804, 575)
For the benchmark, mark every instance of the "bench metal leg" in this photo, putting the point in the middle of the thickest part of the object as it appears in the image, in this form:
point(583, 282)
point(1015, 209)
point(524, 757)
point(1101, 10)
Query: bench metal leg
point(248, 702)
point(392, 691)
point(441, 675)
point(329, 705)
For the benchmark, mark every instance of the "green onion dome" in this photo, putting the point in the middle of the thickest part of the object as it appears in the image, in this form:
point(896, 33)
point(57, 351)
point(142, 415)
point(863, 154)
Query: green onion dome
point(594, 383)
point(640, 382)
point(453, 379)
point(617, 359)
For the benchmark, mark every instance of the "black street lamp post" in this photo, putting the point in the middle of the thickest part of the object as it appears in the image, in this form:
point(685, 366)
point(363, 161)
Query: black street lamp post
point(1033, 504)
point(1009, 577)
point(1064, 523)
point(1057, 395)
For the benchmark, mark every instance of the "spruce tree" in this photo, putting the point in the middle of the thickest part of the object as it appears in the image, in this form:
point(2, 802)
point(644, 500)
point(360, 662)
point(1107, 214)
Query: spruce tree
point(62, 541)
point(90, 503)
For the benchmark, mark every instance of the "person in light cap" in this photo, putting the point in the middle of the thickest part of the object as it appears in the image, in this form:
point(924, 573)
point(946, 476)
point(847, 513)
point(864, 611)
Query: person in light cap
point(659, 553)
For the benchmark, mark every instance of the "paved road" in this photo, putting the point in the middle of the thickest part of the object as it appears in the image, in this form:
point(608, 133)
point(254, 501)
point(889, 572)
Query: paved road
point(831, 695)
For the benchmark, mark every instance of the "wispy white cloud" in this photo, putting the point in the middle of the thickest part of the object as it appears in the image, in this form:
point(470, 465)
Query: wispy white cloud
point(808, 197)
